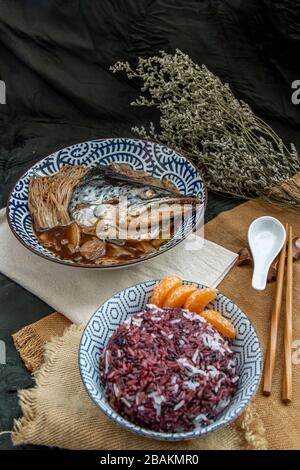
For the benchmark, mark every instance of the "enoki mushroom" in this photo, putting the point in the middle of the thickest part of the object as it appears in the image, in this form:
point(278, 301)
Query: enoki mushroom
point(49, 196)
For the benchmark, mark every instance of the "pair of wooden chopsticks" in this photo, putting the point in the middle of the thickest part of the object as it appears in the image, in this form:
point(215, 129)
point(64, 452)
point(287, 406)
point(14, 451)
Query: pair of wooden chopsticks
point(271, 352)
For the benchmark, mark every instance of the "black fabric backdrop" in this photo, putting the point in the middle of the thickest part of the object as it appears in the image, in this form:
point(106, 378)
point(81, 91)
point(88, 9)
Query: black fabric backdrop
point(54, 60)
point(55, 55)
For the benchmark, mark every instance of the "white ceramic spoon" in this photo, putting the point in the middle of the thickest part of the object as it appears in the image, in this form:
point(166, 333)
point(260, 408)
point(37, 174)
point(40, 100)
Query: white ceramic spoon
point(266, 236)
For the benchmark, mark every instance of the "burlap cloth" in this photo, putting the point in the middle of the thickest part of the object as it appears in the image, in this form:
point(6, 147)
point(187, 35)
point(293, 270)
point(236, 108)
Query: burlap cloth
point(58, 412)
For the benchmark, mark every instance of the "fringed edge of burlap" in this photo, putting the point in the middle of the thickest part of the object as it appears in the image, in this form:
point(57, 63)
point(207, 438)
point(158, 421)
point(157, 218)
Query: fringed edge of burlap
point(27, 398)
point(253, 434)
point(30, 347)
point(252, 429)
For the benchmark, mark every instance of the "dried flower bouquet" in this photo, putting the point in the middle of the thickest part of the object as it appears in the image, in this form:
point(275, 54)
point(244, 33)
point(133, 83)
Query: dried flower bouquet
point(238, 153)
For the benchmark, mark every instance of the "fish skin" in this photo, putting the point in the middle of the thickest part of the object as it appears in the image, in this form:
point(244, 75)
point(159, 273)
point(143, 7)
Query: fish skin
point(102, 186)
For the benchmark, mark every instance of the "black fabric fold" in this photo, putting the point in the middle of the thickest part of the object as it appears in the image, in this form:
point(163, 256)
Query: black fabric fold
point(55, 57)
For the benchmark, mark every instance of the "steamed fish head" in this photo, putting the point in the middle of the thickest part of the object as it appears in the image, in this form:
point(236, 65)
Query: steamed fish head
point(116, 200)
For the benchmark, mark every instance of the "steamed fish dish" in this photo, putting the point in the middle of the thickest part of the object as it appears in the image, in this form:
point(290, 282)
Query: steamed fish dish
point(105, 214)
point(102, 188)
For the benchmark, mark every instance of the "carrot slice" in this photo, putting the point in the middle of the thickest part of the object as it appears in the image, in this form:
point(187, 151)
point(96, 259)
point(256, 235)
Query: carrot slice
point(197, 301)
point(222, 324)
point(177, 297)
point(162, 289)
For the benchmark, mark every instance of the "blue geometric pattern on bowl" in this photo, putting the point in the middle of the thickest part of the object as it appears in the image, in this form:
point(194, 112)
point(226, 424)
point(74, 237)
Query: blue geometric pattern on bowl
point(246, 346)
point(160, 162)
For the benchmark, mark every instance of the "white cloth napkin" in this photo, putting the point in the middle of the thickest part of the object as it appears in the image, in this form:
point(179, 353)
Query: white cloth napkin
point(77, 293)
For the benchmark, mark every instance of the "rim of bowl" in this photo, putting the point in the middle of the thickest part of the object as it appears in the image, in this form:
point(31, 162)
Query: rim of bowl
point(161, 435)
point(96, 266)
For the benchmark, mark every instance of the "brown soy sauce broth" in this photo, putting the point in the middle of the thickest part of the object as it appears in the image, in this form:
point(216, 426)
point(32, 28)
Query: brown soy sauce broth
point(60, 241)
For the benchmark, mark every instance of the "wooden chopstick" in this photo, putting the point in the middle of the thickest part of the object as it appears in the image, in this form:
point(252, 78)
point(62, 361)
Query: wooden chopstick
point(288, 334)
point(271, 351)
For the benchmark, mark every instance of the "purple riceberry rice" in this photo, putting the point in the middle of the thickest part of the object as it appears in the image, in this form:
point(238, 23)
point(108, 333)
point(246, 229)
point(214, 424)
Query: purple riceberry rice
point(168, 370)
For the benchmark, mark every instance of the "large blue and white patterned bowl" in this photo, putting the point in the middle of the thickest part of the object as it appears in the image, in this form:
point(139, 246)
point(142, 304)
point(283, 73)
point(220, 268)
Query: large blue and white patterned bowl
point(160, 162)
point(246, 346)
